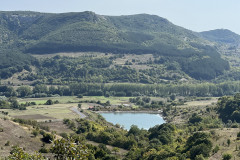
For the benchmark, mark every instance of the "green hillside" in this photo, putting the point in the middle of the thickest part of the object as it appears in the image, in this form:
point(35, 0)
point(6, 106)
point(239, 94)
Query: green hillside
point(41, 33)
point(222, 36)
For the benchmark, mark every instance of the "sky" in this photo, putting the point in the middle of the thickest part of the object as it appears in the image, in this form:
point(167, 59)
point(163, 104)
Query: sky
point(196, 15)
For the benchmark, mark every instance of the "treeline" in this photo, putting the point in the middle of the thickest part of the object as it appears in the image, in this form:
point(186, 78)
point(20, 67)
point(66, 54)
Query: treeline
point(228, 108)
point(122, 90)
point(12, 62)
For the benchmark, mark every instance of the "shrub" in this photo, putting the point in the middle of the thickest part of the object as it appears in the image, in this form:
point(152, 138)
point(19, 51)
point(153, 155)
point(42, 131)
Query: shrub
point(226, 156)
point(49, 102)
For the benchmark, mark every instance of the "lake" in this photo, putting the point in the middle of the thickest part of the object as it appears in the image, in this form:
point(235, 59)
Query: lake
point(126, 119)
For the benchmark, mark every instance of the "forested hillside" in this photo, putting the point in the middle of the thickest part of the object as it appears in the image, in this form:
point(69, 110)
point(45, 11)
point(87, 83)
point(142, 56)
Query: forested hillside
point(41, 33)
point(222, 36)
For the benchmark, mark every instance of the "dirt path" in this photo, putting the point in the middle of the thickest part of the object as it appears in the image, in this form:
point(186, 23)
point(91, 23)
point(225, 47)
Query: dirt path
point(75, 109)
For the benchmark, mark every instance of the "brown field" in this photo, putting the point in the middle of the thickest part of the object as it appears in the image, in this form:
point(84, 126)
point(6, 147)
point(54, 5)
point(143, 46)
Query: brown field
point(57, 126)
point(201, 103)
point(33, 116)
point(16, 135)
point(221, 137)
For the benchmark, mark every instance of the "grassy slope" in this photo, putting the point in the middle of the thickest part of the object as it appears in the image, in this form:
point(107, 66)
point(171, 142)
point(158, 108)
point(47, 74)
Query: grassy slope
point(16, 135)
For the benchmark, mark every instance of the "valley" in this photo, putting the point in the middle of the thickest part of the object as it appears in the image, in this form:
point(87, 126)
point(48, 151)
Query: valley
point(60, 72)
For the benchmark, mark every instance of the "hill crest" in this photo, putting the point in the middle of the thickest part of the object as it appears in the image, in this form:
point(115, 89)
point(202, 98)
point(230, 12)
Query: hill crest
point(42, 33)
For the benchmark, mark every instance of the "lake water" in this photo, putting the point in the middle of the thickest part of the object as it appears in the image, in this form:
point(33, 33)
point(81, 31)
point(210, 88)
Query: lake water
point(126, 119)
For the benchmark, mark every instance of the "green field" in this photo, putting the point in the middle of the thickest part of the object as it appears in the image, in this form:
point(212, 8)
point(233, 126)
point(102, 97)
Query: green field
point(62, 100)
point(62, 110)
point(44, 112)
point(74, 99)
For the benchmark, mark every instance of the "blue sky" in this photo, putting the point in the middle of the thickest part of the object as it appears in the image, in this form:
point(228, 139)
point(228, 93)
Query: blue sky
point(197, 15)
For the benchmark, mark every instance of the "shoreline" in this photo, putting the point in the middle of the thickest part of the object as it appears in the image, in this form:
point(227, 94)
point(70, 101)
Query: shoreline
point(141, 111)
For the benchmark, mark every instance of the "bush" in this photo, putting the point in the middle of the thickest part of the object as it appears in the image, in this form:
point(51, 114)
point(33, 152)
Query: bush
point(48, 138)
point(49, 102)
point(226, 156)
point(35, 133)
point(7, 143)
point(195, 119)
point(80, 96)
point(64, 135)
point(216, 149)
point(43, 150)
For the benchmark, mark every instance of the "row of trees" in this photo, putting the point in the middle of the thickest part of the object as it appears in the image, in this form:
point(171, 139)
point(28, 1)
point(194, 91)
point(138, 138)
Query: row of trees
point(121, 90)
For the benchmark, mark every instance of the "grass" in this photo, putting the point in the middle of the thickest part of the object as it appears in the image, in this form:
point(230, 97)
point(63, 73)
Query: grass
point(200, 103)
point(113, 100)
point(62, 100)
point(221, 137)
point(17, 136)
point(74, 99)
point(45, 112)
point(62, 110)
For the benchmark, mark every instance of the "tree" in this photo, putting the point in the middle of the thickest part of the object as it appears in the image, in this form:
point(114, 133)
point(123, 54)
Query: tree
point(173, 97)
point(228, 142)
point(238, 136)
point(134, 130)
point(195, 119)
point(68, 149)
point(40, 88)
point(199, 143)
point(24, 91)
point(79, 106)
point(49, 102)
point(227, 156)
point(18, 153)
point(48, 138)
point(199, 157)
point(14, 104)
point(115, 149)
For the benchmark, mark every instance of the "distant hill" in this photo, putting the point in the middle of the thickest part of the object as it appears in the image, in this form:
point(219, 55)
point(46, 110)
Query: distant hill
point(222, 36)
point(41, 33)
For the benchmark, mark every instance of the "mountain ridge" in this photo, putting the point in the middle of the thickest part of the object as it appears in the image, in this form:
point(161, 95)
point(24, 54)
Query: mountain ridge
point(222, 36)
point(41, 33)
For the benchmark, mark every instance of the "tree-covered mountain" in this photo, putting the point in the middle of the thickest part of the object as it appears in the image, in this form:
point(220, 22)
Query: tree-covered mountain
point(222, 36)
point(41, 33)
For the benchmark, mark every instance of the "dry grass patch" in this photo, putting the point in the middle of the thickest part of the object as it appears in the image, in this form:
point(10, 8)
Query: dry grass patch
point(16, 135)
point(45, 112)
